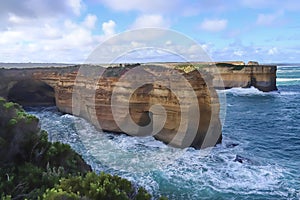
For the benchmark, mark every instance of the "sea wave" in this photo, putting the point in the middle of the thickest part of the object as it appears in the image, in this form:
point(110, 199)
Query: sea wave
point(297, 70)
point(287, 79)
point(248, 92)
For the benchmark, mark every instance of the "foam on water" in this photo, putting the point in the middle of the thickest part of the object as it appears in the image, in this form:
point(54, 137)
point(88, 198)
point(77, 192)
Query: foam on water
point(287, 79)
point(248, 92)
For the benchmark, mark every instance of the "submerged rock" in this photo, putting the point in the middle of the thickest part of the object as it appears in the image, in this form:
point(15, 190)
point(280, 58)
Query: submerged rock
point(242, 159)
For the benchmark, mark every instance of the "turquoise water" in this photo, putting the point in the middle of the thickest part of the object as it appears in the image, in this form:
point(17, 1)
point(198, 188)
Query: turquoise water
point(263, 129)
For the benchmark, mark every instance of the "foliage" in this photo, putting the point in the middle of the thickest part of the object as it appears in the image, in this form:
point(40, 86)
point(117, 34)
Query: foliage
point(26, 180)
point(58, 194)
point(9, 105)
point(12, 122)
point(5, 197)
point(93, 186)
point(29, 162)
point(189, 67)
point(31, 167)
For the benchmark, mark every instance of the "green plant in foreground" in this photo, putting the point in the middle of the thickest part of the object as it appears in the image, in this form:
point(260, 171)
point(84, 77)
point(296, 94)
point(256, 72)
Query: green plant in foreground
point(93, 186)
point(31, 167)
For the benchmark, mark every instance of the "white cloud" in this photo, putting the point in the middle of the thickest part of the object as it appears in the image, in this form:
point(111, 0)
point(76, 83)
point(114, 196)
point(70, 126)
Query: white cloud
point(239, 53)
point(268, 19)
point(109, 28)
point(51, 32)
point(273, 51)
point(214, 25)
point(76, 6)
point(51, 40)
point(90, 21)
point(12, 18)
point(146, 21)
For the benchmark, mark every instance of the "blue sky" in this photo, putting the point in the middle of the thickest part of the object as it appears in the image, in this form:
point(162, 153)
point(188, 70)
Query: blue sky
point(69, 30)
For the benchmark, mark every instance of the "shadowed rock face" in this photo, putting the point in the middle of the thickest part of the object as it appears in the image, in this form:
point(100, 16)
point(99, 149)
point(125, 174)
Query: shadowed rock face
point(32, 92)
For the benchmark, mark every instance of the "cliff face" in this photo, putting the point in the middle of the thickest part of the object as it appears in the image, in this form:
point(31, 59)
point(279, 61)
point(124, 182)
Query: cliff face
point(178, 108)
point(228, 75)
point(262, 77)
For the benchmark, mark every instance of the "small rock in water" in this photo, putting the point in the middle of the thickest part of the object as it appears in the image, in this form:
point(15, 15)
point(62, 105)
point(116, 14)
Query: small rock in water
point(232, 145)
point(241, 159)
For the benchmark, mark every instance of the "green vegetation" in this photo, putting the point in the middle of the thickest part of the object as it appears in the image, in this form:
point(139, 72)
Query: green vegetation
point(93, 186)
point(188, 67)
point(31, 167)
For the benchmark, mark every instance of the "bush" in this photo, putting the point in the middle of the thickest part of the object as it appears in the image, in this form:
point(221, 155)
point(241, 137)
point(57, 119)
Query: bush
point(9, 105)
point(31, 167)
point(58, 194)
point(93, 186)
point(12, 122)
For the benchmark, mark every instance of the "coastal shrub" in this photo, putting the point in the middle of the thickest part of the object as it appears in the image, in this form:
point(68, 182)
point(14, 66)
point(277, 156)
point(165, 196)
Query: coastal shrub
point(9, 105)
point(189, 67)
point(29, 163)
point(12, 122)
point(2, 100)
point(26, 181)
point(31, 167)
point(58, 194)
point(93, 186)
point(5, 197)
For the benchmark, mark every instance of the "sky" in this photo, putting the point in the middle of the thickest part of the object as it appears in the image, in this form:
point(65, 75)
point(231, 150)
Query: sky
point(67, 31)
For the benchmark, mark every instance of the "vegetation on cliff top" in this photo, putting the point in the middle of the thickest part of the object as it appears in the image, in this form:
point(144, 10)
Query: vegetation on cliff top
point(186, 67)
point(31, 167)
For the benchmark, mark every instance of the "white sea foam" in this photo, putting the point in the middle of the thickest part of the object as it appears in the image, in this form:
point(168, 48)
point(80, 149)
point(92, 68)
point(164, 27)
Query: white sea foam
point(247, 92)
point(220, 172)
point(287, 79)
point(288, 71)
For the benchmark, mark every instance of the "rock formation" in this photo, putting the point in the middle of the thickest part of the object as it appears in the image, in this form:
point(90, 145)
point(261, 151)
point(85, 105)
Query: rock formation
point(179, 107)
point(102, 100)
point(262, 77)
point(238, 74)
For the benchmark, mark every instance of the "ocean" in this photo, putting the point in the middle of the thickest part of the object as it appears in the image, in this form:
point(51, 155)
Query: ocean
point(261, 130)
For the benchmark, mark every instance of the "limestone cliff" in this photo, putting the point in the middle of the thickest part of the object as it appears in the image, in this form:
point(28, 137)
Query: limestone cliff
point(237, 74)
point(103, 99)
point(179, 107)
point(262, 77)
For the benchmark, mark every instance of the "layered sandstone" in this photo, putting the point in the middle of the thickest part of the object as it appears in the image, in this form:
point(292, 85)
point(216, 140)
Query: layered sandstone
point(228, 75)
point(177, 106)
point(149, 100)
point(262, 77)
